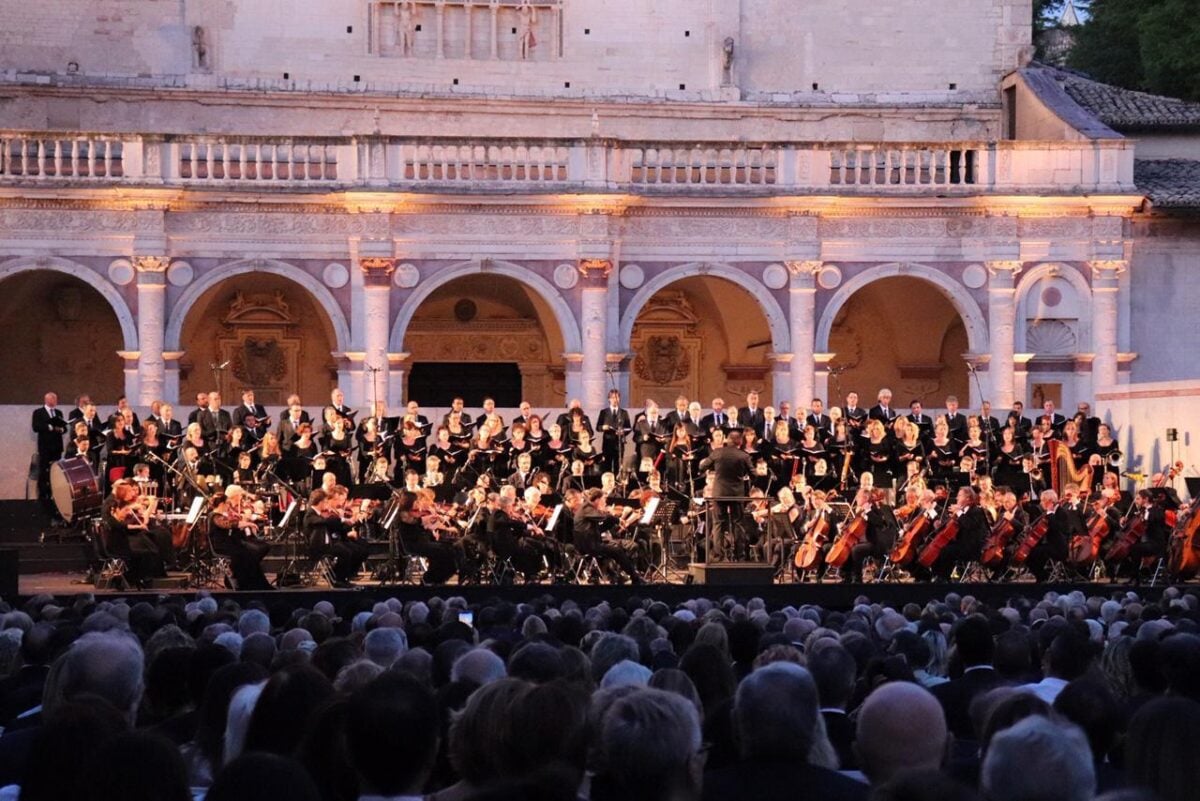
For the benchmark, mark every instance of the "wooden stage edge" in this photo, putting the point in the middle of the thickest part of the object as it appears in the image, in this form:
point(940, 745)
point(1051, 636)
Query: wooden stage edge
point(830, 596)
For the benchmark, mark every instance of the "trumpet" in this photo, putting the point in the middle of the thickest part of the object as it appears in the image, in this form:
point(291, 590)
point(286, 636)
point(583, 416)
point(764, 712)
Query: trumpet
point(1114, 460)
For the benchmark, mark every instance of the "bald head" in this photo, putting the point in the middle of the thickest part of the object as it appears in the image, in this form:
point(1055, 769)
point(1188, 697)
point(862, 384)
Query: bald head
point(900, 725)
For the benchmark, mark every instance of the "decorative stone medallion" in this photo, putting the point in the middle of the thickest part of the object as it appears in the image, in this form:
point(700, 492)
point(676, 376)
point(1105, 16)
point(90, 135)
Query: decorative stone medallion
point(632, 276)
point(566, 276)
point(180, 273)
point(830, 277)
point(975, 276)
point(407, 276)
point(121, 272)
point(335, 275)
point(775, 276)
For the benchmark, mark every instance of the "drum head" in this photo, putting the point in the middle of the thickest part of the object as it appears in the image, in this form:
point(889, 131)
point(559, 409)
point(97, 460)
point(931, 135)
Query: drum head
point(60, 490)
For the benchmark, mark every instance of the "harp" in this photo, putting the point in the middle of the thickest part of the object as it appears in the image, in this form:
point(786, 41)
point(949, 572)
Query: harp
point(1063, 470)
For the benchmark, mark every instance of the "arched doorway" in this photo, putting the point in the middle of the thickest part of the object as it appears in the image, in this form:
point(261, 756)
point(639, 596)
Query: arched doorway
point(902, 333)
point(701, 337)
point(275, 337)
point(61, 335)
point(484, 334)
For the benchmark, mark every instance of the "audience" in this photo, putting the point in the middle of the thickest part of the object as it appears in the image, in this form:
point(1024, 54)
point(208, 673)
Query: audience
point(1055, 697)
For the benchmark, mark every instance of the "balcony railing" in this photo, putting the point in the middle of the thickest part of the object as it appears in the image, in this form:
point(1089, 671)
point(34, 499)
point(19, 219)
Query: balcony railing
point(589, 165)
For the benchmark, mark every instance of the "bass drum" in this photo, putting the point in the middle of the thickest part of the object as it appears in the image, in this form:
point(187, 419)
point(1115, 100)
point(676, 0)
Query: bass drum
point(75, 488)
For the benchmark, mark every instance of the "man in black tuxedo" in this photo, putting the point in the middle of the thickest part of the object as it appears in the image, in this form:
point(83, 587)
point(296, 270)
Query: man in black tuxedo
point(916, 415)
point(731, 466)
point(49, 425)
point(648, 434)
point(1065, 522)
point(883, 410)
point(520, 478)
point(613, 423)
point(214, 421)
point(592, 524)
point(817, 418)
point(289, 426)
point(678, 415)
point(80, 402)
point(974, 648)
point(1057, 421)
point(717, 418)
point(337, 399)
point(956, 419)
point(854, 415)
point(752, 415)
point(251, 409)
point(989, 425)
point(413, 410)
point(201, 405)
point(123, 407)
point(523, 418)
point(882, 530)
point(1024, 424)
point(456, 405)
point(1091, 425)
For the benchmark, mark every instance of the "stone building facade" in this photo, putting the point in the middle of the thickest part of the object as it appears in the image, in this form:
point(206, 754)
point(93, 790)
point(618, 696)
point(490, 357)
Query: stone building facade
point(677, 196)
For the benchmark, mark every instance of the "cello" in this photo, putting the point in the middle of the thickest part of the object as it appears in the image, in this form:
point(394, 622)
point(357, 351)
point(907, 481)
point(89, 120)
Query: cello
point(916, 529)
point(851, 534)
point(998, 538)
point(1037, 532)
point(1184, 562)
point(1085, 548)
point(816, 532)
point(944, 536)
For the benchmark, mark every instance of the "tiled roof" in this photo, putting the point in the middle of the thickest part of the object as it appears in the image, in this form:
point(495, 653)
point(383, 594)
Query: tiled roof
point(1125, 108)
point(1169, 183)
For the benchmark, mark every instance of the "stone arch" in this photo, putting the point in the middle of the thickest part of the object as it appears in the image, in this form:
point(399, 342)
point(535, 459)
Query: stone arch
point(777, 321)
point(956, 293)
point(91, 278)
point(568, 325)
point(1028, 280)
point(208, 280)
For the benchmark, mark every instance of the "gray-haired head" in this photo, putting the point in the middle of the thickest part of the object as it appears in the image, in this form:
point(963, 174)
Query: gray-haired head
point(648, 746)
point(109, 665)
point(609, 650)
point(626, 672)
point(1039, 759)
point(254, 621)
point(775, 712)
point(480, 666)
point(384, 646)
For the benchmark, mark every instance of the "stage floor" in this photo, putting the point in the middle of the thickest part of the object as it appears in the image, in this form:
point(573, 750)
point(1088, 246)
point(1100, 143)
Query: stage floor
point(828, 595)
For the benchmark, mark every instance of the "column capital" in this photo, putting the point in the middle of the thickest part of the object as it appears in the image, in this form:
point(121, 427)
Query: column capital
point(151, 264)
point(595, 270)
point(1004, 266)
point(807, 268)
point(1104, 268)
point(377, 270)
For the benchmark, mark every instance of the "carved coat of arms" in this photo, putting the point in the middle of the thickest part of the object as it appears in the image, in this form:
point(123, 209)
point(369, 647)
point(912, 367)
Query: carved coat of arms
point(259, 362)
point(662, 360)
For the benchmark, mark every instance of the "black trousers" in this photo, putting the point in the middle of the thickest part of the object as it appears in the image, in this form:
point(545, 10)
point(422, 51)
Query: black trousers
point(245, 555)
point(725, 520)
point(442, 559)
point(348, 556)
point(619, 551)
point(45, 497)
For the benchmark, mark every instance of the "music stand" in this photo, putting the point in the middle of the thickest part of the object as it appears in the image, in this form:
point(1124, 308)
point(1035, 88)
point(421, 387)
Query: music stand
point(1193, 486)
point(658, 514)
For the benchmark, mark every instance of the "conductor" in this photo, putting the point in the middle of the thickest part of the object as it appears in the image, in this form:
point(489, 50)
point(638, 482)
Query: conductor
point(731, 466)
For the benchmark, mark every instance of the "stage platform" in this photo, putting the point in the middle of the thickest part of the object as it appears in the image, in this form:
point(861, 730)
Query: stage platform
point(827, 595)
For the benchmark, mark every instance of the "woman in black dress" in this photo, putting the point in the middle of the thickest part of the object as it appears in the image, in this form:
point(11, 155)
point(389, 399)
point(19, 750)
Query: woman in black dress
point(337, 446)
point(1007, 461)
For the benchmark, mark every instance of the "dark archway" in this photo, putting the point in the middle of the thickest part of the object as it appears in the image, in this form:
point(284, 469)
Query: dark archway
point(904, 334)
point(61, 335)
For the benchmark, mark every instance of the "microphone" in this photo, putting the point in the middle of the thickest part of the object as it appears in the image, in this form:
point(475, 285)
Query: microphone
point(222, 365)
point(970, 367)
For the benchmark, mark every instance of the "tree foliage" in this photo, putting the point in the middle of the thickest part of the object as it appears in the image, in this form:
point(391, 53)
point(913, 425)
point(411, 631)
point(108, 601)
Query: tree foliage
point(1150, 45)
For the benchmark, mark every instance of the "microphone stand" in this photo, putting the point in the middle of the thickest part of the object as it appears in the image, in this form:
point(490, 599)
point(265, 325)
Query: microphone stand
point(987, 440)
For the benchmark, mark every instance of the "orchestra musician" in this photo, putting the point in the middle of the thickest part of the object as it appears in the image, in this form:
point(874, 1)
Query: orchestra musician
point(1065, 522)
point(882, 530)
point(233, 531)
point(973, 528)
point(1153, 542)
point(126, 516)
point(329, 528)
point(421, 537)
point(593, 527)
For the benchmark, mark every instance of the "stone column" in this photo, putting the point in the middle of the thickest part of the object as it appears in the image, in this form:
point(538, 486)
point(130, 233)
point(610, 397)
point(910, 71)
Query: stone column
point(1002, 320)
point(802, 316)
point(593, 321)
point(377, 294)
point(151, 319)
point(1105, 285)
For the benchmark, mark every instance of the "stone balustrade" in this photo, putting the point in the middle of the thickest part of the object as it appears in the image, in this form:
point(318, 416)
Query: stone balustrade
point(432, 164)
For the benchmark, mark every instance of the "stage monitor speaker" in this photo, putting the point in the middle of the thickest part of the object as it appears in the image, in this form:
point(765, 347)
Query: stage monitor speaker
point(729, 574)
point(8, 574)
